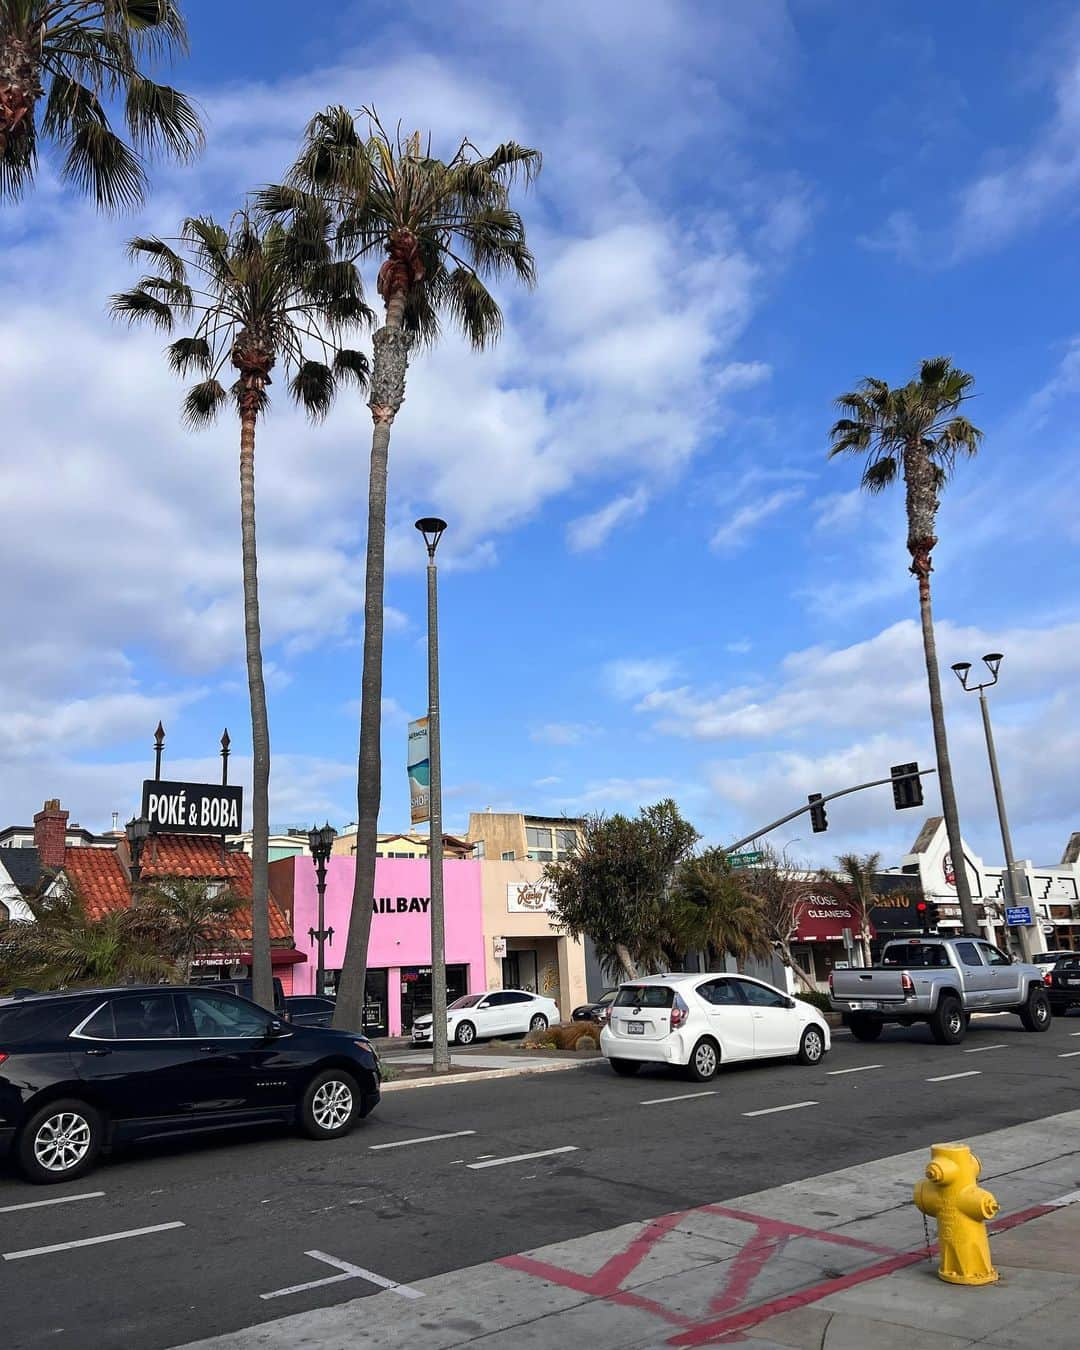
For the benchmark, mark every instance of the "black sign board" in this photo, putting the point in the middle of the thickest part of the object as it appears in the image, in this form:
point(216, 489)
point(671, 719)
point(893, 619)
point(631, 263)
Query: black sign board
point(192, 808)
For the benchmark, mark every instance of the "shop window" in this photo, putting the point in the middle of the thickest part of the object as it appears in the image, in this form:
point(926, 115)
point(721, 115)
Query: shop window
point(508, 856)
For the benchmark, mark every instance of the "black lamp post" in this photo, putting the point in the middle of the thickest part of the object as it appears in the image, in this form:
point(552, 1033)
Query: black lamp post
point(431, 527)
point(137, 830)
point(320, 842)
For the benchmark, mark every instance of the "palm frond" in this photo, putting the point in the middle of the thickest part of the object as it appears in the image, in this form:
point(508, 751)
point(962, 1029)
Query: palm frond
point(473, 307)
point(188, 354)
point(160, 117)
point(313, 387)
point(203, 403)
point(353, 365)
point(152, 247)
point(137, 304)
point(878, 475)
point(101, 165)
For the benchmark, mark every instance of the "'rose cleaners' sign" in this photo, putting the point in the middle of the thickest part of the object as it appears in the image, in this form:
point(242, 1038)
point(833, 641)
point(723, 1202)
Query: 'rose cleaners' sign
point(192, 808)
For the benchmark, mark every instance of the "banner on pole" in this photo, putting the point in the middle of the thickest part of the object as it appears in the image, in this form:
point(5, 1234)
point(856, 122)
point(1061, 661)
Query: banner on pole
point(418, 764)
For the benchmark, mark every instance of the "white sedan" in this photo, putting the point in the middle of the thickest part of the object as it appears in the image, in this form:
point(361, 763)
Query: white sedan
point(703, 1021)
point(495, 1012)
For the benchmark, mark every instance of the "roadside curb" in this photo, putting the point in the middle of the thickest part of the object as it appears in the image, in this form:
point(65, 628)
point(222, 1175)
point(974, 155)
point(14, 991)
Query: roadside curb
point(485, 1075)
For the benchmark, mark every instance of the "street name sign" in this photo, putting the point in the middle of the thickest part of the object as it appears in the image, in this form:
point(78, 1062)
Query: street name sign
point(1020, 915)
point(743, 859)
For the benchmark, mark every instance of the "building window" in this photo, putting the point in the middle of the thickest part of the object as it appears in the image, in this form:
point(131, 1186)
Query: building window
point(537, 838)
point(566, 843)
point(541, 855)
point(508, 856)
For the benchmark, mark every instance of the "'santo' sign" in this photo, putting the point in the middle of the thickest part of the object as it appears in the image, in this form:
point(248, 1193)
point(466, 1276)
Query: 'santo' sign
point(192, 808)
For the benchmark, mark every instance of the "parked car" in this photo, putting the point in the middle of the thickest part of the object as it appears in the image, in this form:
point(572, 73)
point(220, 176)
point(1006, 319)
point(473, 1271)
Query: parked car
point(941, 981)
point(1063, 984)
point(1052, 957)
point(309, 1010)
point(595, 1012)
point(702, 1021)
point(85, 1069)
point(243, 989)
point(495, 1012)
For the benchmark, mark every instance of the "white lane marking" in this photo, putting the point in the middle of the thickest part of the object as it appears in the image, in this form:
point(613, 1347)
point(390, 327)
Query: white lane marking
point(524, 1157)
point(423, 1139)
point(1069, 1054)
point(90, 1242)
point(1069, 1199)
point(60, 1200)
point(980, 1048)
point(771, 1110)
point(683, 1097)
point(948, 1077)
point(348, 1272)
point(1074, 1033)
point(859, 1068)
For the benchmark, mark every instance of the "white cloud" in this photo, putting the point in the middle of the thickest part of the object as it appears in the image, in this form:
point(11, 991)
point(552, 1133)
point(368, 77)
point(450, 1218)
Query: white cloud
point(839, 510)
point(735, 533)
point(631, 677)
point(589, 532)
point(740, 647)
point(564, 733)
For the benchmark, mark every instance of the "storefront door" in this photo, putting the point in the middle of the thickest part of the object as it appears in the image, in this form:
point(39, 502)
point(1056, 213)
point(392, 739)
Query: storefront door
point(519, 971)
point(375, 1004)
point(416, 990)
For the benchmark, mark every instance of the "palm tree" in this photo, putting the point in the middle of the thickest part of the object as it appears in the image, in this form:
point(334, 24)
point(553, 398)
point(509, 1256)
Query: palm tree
point(714, 914)
point(444, 226)
point(860, 872)
point(73, 54)
point(185, 917)
point(916, 431)
point(253, 295)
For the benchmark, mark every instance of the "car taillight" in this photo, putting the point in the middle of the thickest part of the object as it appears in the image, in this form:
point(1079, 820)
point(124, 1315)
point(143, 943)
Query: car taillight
point(830, 982)
point(1047, 978)
point(3, 1056)
point(907, 984)
point(679, 1013)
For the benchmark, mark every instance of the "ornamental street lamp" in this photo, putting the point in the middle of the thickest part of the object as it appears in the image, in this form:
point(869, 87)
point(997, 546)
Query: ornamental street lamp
point(1013, 895)
point(432, 529)
point(320, 842)
point(137, 830)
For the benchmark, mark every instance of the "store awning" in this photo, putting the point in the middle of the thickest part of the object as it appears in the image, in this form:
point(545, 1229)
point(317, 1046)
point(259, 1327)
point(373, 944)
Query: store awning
point(279, 956)
point(823, 918)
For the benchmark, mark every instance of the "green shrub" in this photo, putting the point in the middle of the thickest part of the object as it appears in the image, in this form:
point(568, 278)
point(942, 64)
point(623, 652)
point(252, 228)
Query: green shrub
point(817, 998)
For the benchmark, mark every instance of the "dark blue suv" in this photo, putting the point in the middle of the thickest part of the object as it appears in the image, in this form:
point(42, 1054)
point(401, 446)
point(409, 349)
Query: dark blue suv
point(83, 1069)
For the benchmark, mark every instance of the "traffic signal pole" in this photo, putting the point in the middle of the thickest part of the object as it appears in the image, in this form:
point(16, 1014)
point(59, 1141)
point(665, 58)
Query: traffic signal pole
point(820, 801)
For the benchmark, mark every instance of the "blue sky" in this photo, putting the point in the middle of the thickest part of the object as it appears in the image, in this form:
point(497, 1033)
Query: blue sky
point(653, 583)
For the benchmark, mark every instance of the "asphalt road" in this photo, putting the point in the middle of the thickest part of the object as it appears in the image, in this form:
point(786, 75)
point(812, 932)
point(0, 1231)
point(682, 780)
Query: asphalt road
point(231, 1218)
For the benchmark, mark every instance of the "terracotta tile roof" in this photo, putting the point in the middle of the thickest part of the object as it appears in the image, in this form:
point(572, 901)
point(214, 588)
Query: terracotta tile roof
point(101, 881)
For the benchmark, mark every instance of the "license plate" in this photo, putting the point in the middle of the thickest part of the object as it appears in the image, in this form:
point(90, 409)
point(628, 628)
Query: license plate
point(1073, 980)
point(863, 1006)
point(636, 1028)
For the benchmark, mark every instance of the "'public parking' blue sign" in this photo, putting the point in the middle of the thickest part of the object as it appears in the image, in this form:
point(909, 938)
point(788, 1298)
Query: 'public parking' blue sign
point(1020, 915)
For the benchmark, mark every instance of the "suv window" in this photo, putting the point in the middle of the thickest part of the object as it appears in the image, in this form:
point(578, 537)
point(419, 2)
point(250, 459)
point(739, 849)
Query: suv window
point(216, 1016)
point(759, 996)
point(144, 1017)
point(22, 1022)
point(992, 956)
point(968, 953)
point(721, 993)
point(916, 954)
point(645, 996)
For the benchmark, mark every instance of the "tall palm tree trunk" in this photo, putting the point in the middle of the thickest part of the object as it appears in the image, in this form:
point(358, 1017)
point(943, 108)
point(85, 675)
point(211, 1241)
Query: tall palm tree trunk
point(941, 749)
point(20, 88)
point(262, 984)
point(386, 395)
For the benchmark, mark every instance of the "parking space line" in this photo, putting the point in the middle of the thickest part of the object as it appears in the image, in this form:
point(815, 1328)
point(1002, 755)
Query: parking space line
point(60, 1200)
point(948, 1077)
point(90, 1242)
point(523, 1157)
point(1069, 1054)
point(424, 1139)
point(978, 1049)
point(348, 1272)
point(859, 1068)
point(682, 1097)
point(771, 1110)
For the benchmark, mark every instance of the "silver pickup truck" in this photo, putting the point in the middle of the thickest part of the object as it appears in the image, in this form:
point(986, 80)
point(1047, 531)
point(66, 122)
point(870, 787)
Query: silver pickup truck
point(941, 981)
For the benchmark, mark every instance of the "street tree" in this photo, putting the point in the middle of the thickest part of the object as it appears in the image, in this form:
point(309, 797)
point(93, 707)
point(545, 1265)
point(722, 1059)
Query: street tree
point(780, 889)
point(253, 294)
point(67, 59)
point(859, 871)
point(443, 229)
point(916, 431)
point(713, 913)
point(616, 888)
point(185, 918)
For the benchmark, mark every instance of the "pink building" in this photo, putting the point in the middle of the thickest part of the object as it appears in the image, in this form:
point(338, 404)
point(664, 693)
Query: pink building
point(399, 952)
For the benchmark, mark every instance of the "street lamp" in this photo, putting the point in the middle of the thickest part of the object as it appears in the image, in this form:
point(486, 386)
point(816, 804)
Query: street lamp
point(137, 831)
point(320, 842)
point(432, 529)
point(962, 669)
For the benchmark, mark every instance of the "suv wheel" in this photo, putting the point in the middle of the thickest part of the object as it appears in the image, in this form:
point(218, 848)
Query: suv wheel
point(812, 1046)
point(329, 1105)
point(60, 1142)
point(704, 1060)
point(466, 1033)
point(948, 1023)
point(1035, 1014)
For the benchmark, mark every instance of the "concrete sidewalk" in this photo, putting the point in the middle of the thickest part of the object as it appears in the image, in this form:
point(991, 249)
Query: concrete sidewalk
point(837, 1261)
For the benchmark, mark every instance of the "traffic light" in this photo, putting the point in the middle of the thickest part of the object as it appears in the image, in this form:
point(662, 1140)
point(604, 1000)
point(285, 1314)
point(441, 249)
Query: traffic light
point(927, 911)
point(906, 791)
point(818, 820)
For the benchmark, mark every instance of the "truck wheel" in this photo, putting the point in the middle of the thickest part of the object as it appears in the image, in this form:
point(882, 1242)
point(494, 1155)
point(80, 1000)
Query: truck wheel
point(864, 1028)
point(948, 1023)
point(1035, 1014)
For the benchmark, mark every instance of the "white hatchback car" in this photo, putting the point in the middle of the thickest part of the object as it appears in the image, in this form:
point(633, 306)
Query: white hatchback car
point(705, 1020)
point(495, 1012)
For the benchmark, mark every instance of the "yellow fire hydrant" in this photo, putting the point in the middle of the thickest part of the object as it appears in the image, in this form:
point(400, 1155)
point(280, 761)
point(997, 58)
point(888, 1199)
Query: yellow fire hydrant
point(950, 1194)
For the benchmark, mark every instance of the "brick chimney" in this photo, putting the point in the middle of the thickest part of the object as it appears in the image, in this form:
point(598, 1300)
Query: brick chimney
point(50, 833)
